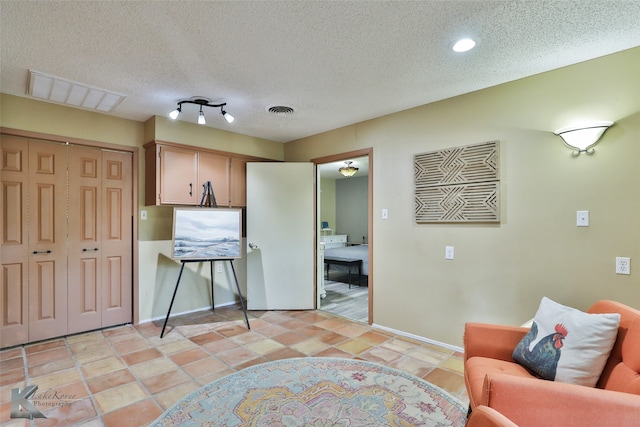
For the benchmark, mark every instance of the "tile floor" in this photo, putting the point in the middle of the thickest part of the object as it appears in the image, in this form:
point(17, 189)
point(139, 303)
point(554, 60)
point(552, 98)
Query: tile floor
point(127, 375)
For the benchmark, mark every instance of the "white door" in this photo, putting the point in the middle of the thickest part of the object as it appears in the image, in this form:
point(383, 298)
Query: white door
point(280, 236)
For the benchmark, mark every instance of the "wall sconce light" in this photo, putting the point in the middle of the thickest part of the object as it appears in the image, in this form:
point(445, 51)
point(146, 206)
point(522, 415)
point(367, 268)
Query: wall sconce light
point(582, 139)
point(202, 102)
point(348, 170)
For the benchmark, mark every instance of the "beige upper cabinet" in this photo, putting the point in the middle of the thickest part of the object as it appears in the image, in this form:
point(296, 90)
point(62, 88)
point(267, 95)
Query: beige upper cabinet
point(176, 175)
point(179, 177)
point(214, 168)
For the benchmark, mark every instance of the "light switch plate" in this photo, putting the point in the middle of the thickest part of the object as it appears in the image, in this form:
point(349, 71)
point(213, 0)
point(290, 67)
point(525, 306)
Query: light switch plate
point(582, 218)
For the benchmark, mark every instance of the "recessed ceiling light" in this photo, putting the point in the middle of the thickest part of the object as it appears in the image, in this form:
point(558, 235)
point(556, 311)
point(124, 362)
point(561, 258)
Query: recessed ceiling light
point(464, 45)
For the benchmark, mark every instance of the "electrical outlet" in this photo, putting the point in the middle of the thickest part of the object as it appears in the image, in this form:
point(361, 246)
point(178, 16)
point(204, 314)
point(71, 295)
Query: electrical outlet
point(623, 265)
point(219, 268)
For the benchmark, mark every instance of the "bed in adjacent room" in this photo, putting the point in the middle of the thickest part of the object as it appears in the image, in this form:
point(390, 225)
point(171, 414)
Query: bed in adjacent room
point(353, 259)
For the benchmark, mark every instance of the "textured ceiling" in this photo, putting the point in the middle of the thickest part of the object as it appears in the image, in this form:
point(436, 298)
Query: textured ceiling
point(335, 62)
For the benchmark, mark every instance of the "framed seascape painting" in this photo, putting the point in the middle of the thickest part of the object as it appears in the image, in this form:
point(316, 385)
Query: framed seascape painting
point(206, 233)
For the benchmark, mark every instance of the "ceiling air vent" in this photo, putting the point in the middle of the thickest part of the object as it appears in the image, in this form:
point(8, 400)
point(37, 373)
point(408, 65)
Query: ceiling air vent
point(280, 109)
point(61, 91)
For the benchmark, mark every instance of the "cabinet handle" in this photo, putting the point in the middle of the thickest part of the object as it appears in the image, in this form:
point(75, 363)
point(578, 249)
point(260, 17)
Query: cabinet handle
point(42, 252)
point(90, 250)
point(190, 189)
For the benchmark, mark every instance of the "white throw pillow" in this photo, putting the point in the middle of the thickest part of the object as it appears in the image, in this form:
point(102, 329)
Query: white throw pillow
point(567, 345)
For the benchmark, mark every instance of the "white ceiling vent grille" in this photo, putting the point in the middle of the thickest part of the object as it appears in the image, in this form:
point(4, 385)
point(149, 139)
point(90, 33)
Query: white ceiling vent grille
point(56, 89)
point(280, 109)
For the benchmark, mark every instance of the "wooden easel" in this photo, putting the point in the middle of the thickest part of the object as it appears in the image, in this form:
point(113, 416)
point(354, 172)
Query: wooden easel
point(208, 200)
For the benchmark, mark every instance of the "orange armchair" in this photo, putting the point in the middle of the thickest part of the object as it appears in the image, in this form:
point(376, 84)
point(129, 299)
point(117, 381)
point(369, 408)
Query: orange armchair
point(483, 416)
point(495, 380)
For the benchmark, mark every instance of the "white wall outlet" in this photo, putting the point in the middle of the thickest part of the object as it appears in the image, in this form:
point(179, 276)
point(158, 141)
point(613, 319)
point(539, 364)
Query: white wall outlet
point(385, 213)
point(143, 215)
point(582, 218)
point(218, 268)
point(449, 252)
point(623, 265)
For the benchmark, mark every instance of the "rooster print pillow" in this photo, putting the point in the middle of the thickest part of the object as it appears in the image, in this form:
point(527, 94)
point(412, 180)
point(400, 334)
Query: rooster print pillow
point(567, 345)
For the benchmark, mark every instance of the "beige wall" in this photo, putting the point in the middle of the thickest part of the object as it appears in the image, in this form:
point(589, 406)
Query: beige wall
point(500, 272)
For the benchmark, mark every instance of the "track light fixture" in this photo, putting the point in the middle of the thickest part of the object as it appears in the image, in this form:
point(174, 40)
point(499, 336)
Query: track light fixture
point(202, 102)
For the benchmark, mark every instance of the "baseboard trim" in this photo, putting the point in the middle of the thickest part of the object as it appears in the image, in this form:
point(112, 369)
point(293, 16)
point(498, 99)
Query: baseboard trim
point(419, 338)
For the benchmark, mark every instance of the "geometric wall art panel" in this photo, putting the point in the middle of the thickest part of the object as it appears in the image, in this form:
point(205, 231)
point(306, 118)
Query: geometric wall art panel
point(458, 184)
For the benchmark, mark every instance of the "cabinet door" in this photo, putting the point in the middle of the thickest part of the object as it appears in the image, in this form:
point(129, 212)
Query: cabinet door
point(178, 176)
point(238, 182)
point(47, 240)
point(214, 168)
point(14, 280)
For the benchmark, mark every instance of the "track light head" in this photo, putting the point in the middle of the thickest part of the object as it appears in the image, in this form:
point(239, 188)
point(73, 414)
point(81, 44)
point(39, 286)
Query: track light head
point(228, 117)
point(175, 113)
point(202, 102)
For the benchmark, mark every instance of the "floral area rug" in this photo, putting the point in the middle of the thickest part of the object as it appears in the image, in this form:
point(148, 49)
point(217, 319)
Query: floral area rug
point(317, 392)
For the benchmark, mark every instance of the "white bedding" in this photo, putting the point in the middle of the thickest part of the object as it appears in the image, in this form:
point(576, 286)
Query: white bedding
point(355, 252)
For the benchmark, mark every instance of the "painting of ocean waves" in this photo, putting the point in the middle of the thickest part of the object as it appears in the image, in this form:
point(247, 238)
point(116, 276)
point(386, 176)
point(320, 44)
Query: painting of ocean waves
point(206, 233)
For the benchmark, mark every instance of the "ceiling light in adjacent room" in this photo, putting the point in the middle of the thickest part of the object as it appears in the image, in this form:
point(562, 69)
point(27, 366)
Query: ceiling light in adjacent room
point(348, 170)
point(464, 45)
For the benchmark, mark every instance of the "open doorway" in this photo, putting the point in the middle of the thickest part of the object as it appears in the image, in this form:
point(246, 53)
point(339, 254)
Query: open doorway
point(344, 242)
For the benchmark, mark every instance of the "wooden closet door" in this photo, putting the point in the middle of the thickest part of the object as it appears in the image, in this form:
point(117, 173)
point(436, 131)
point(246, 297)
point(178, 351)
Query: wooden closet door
point(47, 210)
point(117, 237)
point(85, 239)
point(14, 310)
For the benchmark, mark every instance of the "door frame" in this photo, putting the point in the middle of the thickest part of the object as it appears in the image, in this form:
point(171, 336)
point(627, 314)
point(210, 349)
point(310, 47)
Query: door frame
point(365, 152)
point(134, 150)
